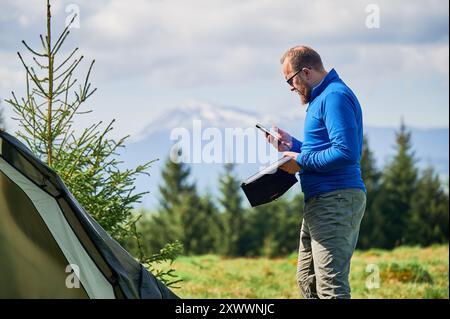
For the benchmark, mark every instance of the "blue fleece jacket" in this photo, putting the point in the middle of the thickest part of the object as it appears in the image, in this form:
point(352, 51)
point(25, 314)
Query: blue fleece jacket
point(331, 150)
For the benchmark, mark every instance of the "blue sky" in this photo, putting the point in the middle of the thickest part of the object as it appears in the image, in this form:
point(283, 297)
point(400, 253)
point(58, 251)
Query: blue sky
point(152, 56)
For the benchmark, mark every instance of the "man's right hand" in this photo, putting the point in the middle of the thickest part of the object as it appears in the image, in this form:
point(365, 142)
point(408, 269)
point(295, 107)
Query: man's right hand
point(285, 139)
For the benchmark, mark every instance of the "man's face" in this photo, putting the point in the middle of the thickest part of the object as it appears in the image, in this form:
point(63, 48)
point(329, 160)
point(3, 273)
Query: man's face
point(299, 85)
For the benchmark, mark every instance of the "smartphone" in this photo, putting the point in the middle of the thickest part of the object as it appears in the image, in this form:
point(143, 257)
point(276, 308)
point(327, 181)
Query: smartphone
point(262, 128)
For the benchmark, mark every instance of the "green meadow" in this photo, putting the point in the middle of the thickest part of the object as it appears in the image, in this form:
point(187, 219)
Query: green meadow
point(406, 272)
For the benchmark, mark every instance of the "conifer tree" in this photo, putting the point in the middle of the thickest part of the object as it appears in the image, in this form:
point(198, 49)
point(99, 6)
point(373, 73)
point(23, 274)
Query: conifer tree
point(232, 210)
point(273, 229)
point(398, 186)
point(87, 160)
point(429, 218)
point(183, 214)
point(166, 224)
point(201, 224)
point(175, 184)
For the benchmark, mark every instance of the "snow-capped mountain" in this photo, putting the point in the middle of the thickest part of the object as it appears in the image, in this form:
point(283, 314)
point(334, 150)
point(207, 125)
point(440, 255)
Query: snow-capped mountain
point(211, 116)
point(431, 146)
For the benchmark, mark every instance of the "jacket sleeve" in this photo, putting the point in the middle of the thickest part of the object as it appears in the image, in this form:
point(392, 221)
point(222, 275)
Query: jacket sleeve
point(296, 145)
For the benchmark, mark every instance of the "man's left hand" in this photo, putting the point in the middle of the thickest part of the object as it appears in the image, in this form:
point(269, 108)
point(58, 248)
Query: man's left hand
point(292, 166)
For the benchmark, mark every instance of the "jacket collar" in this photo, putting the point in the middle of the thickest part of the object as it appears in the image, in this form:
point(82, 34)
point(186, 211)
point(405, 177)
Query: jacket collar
point(332, 76)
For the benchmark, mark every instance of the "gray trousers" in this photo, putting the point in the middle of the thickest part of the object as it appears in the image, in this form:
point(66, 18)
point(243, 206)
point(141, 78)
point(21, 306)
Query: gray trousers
point(328, 237)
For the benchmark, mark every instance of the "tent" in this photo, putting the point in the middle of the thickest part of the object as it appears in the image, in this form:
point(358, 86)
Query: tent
point(50, 247)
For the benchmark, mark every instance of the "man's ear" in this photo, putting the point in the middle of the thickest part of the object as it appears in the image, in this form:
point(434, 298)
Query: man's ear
point(307, 73)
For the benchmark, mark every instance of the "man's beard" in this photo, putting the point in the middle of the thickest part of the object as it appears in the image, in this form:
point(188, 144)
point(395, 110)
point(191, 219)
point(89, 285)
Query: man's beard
point(305, 92)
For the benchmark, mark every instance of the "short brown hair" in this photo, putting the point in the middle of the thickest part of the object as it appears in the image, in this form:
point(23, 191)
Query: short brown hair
point(303, 57)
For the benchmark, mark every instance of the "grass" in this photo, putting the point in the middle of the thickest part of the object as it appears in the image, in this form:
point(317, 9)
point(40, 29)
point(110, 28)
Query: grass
point(406, 272)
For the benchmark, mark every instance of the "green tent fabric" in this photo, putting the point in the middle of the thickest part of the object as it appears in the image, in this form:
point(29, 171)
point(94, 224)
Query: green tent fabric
point(50, 247)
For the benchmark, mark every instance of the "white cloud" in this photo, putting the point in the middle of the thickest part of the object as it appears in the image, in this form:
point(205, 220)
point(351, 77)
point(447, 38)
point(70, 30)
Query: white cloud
point(225, 40)
point(399, 59)
point(179, 23)
point(10, 78)
point(26, 12)
point(178, 44)
point(11, 74)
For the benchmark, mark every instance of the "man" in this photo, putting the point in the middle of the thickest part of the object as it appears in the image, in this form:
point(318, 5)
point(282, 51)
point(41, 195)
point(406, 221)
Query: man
point(330, 175)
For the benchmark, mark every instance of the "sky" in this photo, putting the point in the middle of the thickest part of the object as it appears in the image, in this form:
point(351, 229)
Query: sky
point(153, 56)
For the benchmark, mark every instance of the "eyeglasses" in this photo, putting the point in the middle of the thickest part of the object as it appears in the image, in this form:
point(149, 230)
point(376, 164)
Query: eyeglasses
point(290, 81)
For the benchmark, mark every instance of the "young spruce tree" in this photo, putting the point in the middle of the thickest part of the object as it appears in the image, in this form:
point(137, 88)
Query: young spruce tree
point(87, 161)
point(398, 186)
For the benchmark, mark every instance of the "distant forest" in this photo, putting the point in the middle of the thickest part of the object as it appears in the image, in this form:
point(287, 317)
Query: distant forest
point(405, 206)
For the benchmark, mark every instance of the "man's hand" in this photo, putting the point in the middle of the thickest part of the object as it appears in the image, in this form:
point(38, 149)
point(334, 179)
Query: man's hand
point(284, 142)
point(292, 166)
